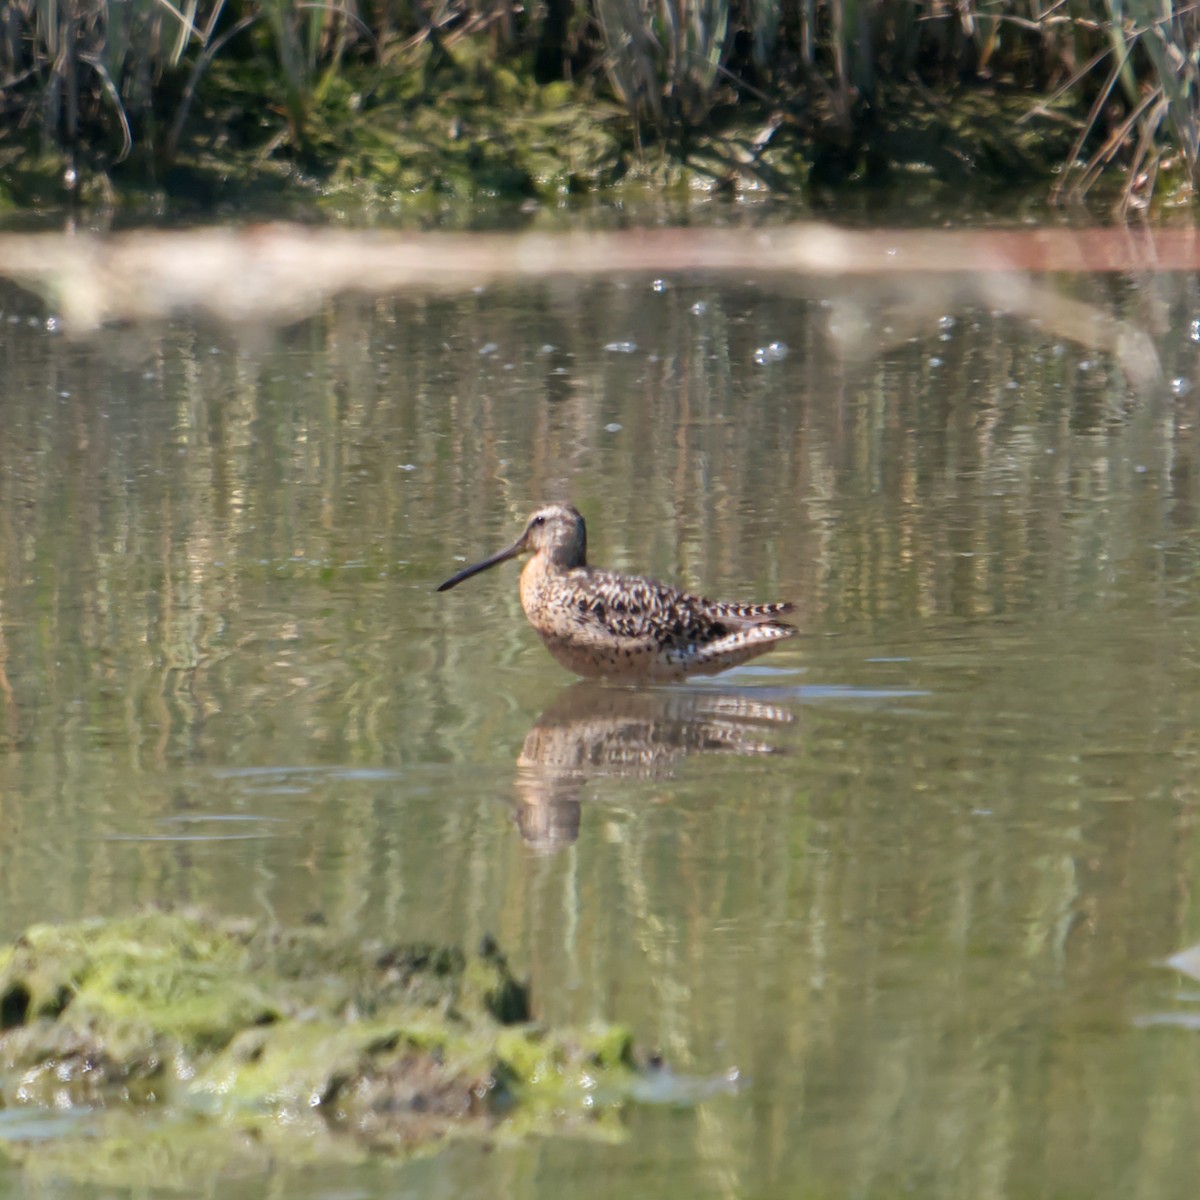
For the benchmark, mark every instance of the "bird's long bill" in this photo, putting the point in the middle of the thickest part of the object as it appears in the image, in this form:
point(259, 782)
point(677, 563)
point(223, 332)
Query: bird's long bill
point(466, 573)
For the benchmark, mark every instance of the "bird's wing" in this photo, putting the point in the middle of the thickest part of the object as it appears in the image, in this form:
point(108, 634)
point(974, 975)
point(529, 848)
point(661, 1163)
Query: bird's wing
point(634, 607)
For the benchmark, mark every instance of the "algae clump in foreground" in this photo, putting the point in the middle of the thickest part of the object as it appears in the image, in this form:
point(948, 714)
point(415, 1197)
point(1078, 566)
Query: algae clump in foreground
point(291, 1034)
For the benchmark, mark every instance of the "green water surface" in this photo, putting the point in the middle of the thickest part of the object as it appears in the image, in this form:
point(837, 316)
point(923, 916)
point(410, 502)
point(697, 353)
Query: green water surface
point(894, 898)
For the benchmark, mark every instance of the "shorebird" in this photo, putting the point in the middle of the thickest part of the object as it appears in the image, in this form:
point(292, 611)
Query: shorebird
point(602, 623)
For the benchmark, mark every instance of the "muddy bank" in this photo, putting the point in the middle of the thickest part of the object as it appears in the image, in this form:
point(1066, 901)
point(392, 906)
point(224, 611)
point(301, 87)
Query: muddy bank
point(181, 1028)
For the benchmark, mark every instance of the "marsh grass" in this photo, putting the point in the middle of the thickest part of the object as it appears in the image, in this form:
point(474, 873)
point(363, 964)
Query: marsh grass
point(1155, 62)
point(76, 70)
point(101, 80)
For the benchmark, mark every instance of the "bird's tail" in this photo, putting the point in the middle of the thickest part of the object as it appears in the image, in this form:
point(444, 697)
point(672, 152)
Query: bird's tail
point(756, 614)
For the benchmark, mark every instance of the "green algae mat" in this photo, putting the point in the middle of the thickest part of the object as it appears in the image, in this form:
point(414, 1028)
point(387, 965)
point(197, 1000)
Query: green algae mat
point(298, 1039)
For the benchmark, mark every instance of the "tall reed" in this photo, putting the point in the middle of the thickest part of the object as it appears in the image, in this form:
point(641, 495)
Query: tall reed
point(84, 69)
point(1166, 97)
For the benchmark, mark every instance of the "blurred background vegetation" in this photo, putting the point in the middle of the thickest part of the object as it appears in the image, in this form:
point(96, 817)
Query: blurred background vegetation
point(508, 96)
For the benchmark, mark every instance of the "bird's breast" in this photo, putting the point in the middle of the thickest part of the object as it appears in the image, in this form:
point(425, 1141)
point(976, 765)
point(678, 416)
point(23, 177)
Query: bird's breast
point(545, 595)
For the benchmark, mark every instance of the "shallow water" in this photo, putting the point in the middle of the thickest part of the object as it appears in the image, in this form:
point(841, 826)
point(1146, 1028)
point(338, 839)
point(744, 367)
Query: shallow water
point(909, 880)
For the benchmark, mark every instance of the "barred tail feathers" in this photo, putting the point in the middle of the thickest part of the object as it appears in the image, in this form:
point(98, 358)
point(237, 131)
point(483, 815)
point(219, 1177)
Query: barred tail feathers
point(753, 614)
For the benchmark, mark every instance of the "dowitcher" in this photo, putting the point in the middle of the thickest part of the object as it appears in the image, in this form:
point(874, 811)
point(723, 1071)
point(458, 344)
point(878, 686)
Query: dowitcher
point(602, 623)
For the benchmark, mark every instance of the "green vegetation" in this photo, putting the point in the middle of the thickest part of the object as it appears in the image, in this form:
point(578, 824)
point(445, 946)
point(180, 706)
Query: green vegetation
point(292, 1036)
point(469, 97)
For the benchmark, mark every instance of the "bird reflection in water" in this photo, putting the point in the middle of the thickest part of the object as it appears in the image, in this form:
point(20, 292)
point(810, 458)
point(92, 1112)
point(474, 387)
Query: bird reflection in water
point(597, 731)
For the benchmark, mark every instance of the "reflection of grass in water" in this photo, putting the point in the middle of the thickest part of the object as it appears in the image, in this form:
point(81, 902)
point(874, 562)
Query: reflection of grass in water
point(847, 895)
point(340, 84)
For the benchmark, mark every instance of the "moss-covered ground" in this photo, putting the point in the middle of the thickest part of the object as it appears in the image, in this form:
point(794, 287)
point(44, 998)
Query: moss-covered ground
point(289, 1038)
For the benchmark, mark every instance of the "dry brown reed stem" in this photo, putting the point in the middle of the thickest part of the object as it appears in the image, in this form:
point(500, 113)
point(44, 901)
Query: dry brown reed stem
point(267, 275)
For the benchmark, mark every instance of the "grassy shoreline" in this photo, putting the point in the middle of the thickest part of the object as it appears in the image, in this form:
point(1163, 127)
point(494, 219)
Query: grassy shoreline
point(217, 100)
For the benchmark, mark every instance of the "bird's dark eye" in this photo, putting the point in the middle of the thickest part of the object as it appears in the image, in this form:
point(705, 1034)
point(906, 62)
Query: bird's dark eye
point(538, 521)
